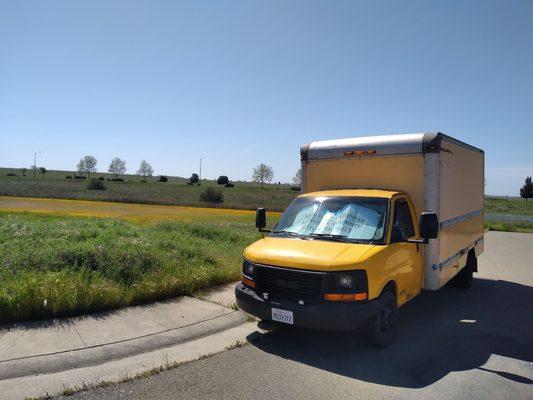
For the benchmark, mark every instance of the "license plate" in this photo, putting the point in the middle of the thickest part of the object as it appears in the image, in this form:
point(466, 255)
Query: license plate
point(282, 316)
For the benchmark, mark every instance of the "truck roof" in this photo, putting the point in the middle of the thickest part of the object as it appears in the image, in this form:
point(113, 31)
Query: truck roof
point(387, 194)
point(384, 145)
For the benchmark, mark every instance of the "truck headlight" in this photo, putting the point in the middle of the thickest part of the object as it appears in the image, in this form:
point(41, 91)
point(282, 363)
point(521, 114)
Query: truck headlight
point(248, 269)
point(345, 281)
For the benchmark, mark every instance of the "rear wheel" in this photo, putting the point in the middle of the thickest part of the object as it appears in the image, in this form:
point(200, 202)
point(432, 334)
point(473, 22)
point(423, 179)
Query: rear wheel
point(383, 327)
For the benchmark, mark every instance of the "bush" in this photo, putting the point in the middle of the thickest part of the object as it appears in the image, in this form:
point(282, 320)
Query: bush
point(295, 187)
point(79, 177)
point(212, 195)
point(229, 184)
point(11, 174)
point(143, 181)
point(101, 178)
point(222, 180)
point(163, 178)
point(68, 176)
point(96, 184)
point(115, 180)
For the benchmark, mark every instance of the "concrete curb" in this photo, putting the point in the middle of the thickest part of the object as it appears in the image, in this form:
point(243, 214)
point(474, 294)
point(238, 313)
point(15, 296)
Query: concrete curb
point(50, 384)
point(88, 356)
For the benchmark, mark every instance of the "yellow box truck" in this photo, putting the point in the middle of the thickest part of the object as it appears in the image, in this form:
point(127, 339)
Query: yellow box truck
point(379, 219)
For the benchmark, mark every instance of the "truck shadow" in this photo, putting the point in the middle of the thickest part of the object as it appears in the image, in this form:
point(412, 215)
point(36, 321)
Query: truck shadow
point(440, 332)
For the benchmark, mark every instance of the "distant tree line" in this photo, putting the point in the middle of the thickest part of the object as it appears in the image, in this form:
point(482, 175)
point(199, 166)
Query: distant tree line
point(117, 167)
point(262, 173)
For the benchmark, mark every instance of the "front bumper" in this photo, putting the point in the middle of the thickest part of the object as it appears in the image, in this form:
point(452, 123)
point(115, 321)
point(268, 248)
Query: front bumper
point(326, 315)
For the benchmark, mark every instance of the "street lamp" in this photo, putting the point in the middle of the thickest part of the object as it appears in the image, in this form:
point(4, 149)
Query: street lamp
point(200, 175)
point(35, 162)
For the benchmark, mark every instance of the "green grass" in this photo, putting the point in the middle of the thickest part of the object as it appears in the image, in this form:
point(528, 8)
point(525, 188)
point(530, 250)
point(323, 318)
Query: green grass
point(245, 195)
point(62, 266)
point(509, 214)
point(524, 227)
point(508, 205)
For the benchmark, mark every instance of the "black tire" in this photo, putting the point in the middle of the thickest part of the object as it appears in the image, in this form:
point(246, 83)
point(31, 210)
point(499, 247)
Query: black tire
point(383, 327)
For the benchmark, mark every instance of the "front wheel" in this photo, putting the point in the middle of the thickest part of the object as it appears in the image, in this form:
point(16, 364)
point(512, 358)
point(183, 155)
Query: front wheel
point(383, 327)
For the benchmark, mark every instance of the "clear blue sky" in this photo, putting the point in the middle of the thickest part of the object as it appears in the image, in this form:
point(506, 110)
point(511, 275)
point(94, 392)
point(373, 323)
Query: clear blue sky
point(247, 82)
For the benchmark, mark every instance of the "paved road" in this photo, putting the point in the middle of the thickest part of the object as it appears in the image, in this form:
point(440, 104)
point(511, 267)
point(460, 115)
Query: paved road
point(452, 345)
point(508, 217)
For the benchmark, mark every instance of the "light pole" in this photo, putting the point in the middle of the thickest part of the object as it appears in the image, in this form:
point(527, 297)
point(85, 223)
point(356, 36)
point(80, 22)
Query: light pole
point(35, 162)
point(200, 175)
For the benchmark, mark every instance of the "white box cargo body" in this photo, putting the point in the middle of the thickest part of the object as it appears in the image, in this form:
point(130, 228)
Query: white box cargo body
point(439, 173)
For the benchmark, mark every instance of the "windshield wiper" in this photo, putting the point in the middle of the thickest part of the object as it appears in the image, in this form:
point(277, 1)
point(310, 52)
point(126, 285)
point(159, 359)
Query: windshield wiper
point(339, 238)
point(286, 233)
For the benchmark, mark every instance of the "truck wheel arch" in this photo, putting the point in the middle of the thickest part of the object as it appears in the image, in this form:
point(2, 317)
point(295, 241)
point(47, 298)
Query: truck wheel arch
point(390, 286)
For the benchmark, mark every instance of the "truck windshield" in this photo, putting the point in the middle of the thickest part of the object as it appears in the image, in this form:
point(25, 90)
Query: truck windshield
point(350, 219)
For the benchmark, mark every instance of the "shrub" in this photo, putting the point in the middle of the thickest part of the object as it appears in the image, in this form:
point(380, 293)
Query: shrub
point(116, 180)
point(101, 178)
point(222, 180)
point(143, 181)
point(68, 176)
point(79, 177)
point(295, 187)
point(11, 174)
point(229, 184)
point(96, 184)
point(212, 195)
point(163, 178)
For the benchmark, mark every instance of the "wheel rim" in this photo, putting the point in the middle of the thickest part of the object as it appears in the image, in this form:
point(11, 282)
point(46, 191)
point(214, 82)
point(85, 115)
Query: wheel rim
point(387, 319)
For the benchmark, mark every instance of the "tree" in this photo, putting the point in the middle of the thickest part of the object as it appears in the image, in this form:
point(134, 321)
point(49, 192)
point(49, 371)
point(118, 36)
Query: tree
point(145, 169)
point(87, 165)
point(223, 180)
point(263, 173)
point(194, 178)
point(527, 190)
point(42, 170)
point(297, 179)
point(24, 170)
point(117, 167)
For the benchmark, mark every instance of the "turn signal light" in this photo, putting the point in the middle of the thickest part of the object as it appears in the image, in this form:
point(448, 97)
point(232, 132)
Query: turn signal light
point(345, 296)
point(247, 282)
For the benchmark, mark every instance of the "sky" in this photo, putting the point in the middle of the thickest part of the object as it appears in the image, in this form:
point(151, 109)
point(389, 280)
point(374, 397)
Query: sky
point(245, 82)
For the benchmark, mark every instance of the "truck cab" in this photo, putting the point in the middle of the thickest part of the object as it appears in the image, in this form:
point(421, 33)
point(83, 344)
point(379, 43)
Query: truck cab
point(341, 257)
point(332, 256)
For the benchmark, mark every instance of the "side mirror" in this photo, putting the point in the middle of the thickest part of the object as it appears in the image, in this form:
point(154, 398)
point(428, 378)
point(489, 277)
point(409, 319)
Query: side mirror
point(429, 225)
point(260, 218)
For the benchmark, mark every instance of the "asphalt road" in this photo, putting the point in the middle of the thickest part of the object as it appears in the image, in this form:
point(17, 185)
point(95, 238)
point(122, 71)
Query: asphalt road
point(453, 344)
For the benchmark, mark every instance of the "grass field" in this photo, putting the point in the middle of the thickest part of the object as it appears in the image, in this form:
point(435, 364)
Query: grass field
point(245, 195)
point(60, 265)
point(57, 259)
point(508, 214)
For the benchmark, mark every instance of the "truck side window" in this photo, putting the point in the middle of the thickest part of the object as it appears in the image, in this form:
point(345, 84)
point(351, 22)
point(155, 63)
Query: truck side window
point(403, 223)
